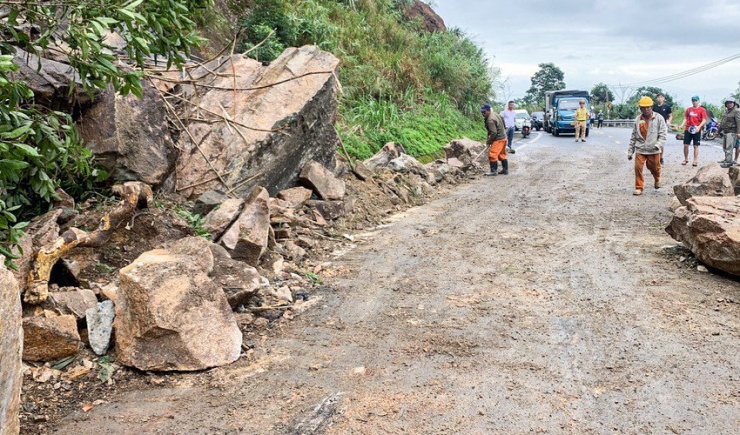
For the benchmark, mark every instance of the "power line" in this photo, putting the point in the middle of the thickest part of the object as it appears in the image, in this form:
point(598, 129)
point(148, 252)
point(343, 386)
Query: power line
point(680, 75)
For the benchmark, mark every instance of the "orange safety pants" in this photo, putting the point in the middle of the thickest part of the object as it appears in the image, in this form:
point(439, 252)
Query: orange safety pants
point(653, 165)
point(497, 150)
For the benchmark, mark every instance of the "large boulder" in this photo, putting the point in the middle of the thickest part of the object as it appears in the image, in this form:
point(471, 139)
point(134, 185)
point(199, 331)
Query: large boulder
point(171, 316)
point(130, 136)
point(381, 159)
point(246, 240)
point(322, 181)
point(710, 228)
point(11, 348)
point(50, 338)
point(464, 150)
point(430, 20)
point(710, 180)
point(262, 125)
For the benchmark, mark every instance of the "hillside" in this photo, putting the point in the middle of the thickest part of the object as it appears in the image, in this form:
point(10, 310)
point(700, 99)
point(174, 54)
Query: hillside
point(404, 79)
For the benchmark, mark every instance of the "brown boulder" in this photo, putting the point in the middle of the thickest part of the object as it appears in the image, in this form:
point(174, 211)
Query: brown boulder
point(50, 338)
point(11, 349)
point(465, 151)
point(282, 116)
point(710, 180)
point(246, 240)
point(130, 136)
point(381, 159)
point(322, 181)
point(221, 218)
point(197, 248)
point(171, 316)
point(430, 20)
point(710, 228)
point(238, 280)
point(296, 197)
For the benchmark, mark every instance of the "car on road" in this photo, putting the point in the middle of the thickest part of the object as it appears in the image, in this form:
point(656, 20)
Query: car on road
point(538, 120)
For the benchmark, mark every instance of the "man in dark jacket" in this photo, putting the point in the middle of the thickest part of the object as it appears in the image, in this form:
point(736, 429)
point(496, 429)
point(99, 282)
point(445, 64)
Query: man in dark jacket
point(731, 128)
point(496, 140)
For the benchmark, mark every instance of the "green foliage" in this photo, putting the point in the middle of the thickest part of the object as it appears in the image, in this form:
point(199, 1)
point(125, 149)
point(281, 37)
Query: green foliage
point(195, 221)
point(601, 94)
point(548, 78)
point(649, 91)
point(40, 149)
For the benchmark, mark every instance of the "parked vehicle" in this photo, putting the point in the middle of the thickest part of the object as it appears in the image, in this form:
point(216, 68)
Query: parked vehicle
point(560, 107)
point(538, 120)
point(711, 130)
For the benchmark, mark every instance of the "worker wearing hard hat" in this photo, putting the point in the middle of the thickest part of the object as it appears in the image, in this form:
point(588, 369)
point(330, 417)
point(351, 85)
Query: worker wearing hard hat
point(731, 128)
point(646, 143)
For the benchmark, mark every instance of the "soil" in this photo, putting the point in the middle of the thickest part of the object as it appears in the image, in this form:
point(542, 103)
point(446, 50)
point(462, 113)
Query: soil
point(547, 301)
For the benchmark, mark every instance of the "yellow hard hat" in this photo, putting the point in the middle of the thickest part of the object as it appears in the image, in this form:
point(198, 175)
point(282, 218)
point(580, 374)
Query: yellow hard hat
point(645, 102)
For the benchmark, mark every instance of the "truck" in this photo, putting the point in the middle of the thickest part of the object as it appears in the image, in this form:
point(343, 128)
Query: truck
point(560, 110)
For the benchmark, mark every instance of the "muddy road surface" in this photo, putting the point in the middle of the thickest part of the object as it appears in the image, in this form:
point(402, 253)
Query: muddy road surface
point(545, 301)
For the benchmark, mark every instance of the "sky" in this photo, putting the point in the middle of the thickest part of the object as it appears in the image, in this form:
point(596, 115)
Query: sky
point(611, 41)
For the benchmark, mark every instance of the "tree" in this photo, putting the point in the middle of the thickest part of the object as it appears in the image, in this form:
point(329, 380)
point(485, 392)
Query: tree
point(650, 91)
point(40, 149)
point(601, 94)
point(548, 78)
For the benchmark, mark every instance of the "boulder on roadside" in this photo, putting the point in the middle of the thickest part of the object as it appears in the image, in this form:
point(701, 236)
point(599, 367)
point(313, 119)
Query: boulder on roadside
point(362, 172)
point(221, 218)
point(430, 20)
point(465, 151)
point(280, 117)
point(198, 248)
point(710, 228)
point(322, 181)
point(296, 196)
point(75, 302)
point(710, 180)
point(381, 159)
point(247, 238)
point(171, 316)
point(130, 136)
point(405, 164)
point(100, 326)
point(50, 338)
point(11, 349)
point(330, 210)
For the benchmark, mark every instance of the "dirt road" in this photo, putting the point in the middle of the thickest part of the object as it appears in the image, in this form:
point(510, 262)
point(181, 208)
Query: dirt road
point(540, 302)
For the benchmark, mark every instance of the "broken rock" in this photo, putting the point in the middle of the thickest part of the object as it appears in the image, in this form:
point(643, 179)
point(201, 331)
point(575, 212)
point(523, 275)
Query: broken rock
point(100, 326)
point(238, 280)
point(405, 164)
point(171, 316)
point(710, 180)
point(296, 196)
point(197, 248)
point(710, 228)
point(50, 338)
point(465, 151)
point(329, 210)
point(11, 347)
point(75, 302)
point(246, 240)
point(208, 201)
point(322, 181)
point(219, 219)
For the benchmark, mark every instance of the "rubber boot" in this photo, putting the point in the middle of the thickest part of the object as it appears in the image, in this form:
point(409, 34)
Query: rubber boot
point(504, 167)
point(494, 169)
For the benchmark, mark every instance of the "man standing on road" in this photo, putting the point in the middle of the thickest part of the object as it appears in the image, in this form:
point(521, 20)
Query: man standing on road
point(496, 141)
point(664, 110)
point(600, 118)
point(646, 144)
point(694, 120)
point(509, 117)
point(581, 120)
point(731, 128)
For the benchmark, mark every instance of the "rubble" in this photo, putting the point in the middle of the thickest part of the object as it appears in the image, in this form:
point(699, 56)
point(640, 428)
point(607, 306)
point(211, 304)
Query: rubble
point(322, 181)
point(100, 326)
point(710, 180)
point(171, 316)
point(75, 302)
point(11, 348)
point(221, 217)
point(710, 228)
point(296, 196)
point(238, 280)
point(465, 152)
point(208, 201)
point(50, 338)
point(246, 239)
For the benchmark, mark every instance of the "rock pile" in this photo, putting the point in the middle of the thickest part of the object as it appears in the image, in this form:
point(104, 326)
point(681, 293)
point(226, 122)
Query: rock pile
point(708, 220)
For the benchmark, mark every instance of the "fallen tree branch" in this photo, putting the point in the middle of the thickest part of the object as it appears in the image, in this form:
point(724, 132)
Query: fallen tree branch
point(133, 195)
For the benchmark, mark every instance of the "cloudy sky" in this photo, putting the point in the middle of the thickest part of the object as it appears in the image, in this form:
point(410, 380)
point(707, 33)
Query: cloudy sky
point(610, 41)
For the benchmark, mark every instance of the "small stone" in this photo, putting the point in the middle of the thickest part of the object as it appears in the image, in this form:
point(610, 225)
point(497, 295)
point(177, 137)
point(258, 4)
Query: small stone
point(702, 269)
point(100, 326)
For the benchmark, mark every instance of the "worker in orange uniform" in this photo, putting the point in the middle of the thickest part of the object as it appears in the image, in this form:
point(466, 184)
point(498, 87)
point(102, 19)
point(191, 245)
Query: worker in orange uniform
point(496, 141)
point(581, 120)
point(646, 143)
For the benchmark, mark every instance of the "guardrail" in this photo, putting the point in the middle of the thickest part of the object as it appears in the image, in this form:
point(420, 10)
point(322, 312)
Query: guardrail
point(618, 122)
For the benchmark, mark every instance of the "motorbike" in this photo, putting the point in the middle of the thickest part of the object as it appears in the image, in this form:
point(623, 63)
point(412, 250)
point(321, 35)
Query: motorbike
point(711, 130)
point(526, 128)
